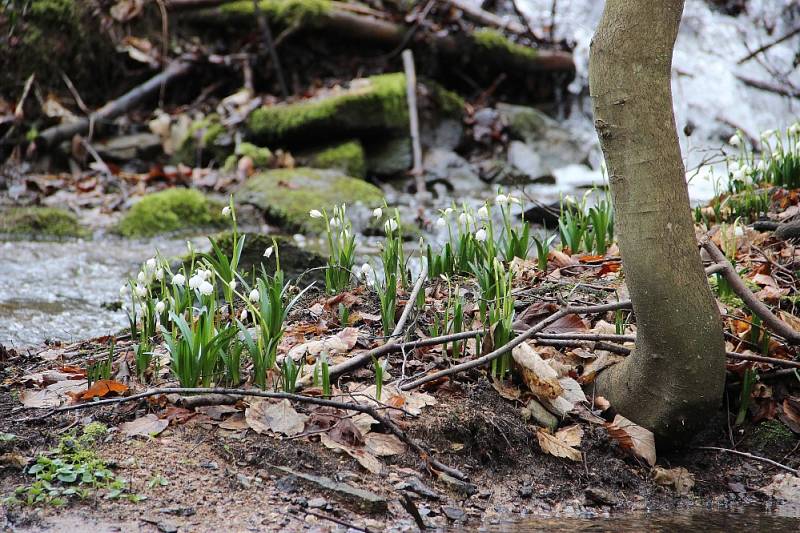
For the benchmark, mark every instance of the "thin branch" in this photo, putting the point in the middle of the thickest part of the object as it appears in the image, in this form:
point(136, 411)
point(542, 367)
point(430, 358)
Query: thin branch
point(413, 120)
point(794, 471)
point(762, 359)
point(516, 341)
point(348, 406)
point(769, 45)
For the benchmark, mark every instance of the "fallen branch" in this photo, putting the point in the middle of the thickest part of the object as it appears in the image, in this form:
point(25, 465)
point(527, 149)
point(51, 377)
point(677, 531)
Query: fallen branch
point(348, 406)
point(115, 108)
point(769, 45)
point(487, 18)
point(516, 341)
point(790, 91)
point(763, 359)
point(756, 306)
point(794, 471)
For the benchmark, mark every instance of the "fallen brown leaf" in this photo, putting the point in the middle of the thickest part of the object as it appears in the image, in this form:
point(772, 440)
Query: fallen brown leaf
point(267, 417)
point(563, 443)
point(633, 438)
point(679, 478)
point(148, 426)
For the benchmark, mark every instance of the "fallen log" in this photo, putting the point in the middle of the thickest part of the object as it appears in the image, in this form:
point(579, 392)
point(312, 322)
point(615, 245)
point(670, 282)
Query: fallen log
point(115, 108)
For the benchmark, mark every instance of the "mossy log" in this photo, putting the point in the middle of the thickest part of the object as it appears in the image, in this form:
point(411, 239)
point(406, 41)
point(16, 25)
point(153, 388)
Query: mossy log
point(168, 211)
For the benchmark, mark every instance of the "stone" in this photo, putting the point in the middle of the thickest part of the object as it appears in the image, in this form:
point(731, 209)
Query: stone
point(170, 210)
point(347, 157)
point(453, 513)
point(127, 147)
point(525, 491)
point(317, 503)
point(595, 495)
point(414, 484)
point(449, 166)
point(536, 411)
point(366, 500)
point(286, 196)
point(523, 158)
point(40, 223)
point(389, 157)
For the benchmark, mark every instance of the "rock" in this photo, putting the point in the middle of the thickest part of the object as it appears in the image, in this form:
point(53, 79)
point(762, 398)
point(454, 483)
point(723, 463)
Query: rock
point(600, 496)
point(368, 501)
point(127, 147)
point(317, 503)
point(524, 159)
point(40, 223)
point(453, 513)
point(788, 230)
point(447, 133)
point(540, 415)
point(286, 195)
point(544, 215)
point(244, 481)
point(170, 210)
point(525, 491)
point(207, 140)
point(414, 484)
point(389, 157)
point(452, 168)
point(556, 145)
point(347, 157)
point(461, 487)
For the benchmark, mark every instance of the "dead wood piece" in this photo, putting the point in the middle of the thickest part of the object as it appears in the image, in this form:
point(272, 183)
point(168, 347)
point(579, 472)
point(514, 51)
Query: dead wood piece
point(759, 308)
point(477, 14)
point(413, 119)
point(763, 359)
point(190, 402)
point(126, 102)
point(788, 230)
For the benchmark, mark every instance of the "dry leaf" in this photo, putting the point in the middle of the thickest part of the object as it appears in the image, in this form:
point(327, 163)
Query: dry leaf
point(633, 438)
point(267, 417)
point(572, 393)
point(384, 444)
point(783, 487)
point(563, 443)
point(347, 433)
point(102, 388)
point(236, 422)
point(679, 478)
point(506, 389)
point(341, 343)
point(364, 458)
point(147, 426)
point(216, 412)
point(540, 377)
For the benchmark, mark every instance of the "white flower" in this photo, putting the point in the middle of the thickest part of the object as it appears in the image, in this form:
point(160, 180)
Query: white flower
point(268, 251)
point(739, 174)
point(334, 222)
point(226, 211)
point(377, 212)
point(448, 211)
point(366, 270)
point(195, 281)
point(151, 263)
point(501, 199)
point(141, 291)
point(735, 140)
point(232, 285)
point(465, 218)
point(441, 222)
point(797, 147)
point(767, 134)
point(346, 234)
point(243, 315)
point(160, 306)
point(762, 165)
point(514, 199)
point(480, 235)
point(314, 213)
point(483, 212)
point(794, 129)
point(254, 296)
point(178, 279)
point(141, 277)
point(206, 288)
point(390, 225)
point(159, 274)
point(206, 273)
point(123, 291)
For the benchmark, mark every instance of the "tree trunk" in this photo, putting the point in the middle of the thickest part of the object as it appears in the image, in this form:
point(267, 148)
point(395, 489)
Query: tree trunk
point(674, 380)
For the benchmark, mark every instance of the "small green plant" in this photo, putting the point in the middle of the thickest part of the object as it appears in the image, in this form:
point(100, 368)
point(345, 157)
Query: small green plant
point(225, 267)
point(455, 310)
point(72, 470)
point(380, 369)
point(602, 218)
point(322, 376)
point(514, 241)
point(341, 248)
point(749, 379)
point(157, 481)
point(289, 373)
point(100, 369)
point(543, 250)
point(572, 227)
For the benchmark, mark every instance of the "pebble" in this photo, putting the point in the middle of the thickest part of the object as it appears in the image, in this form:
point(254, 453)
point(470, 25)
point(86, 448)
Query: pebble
point(317, 503)
point(453, 513)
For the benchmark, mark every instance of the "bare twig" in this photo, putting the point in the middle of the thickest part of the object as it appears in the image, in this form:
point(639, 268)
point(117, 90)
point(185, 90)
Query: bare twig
point(348, 406)
point(502, 350)
point(490, 19)
point(759, 308)
point(789, 90)
point(794, 471)
point(75, 94)
point(413, 120)
point(769, 45)
point(273, 53)
point(763, 359)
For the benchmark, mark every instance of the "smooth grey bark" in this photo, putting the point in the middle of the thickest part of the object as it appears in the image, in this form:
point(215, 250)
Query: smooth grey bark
point(673, 381)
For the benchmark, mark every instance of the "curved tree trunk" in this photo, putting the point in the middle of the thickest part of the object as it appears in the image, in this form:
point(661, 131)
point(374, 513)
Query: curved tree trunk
point(674, 379)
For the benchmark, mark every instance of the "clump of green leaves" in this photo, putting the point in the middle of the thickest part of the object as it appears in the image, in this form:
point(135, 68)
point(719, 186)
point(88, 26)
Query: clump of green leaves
point(72, 470)
point(341, 248)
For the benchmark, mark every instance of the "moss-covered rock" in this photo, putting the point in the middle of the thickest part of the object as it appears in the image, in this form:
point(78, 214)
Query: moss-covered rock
point(206, 140)
point(170, 210)
point(489, 42)
point(389, 157)
point(369, 104)
point(347, 157)
point(287, 195)
point(283, 12)
point(39, 223)
point(772, 434)
point(294, 260)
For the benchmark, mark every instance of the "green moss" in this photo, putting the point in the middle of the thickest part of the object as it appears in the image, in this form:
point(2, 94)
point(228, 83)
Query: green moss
point(493, 42)
point(772, 434)
point(40, 223)
point(170, 210)
point(284, 12)
point(376, 103)
point(205, 140)
point(261, 156)
point(287, 195)
point(448, 103)
point(347, 157)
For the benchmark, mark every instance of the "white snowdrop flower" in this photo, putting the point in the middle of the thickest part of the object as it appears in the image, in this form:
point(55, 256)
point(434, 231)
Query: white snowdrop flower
point(761, 166)
point(390, 225)
point(480, 235)
point(483, 212)
point(346, 234)
point(734, 140)
point(206, 288)
point(207, 274)
point(268, 251)
point(366, 270)
point(334, 222)
point(797, 147)
point(123, 291)
point(739, 174)
point(233, 285)
point(160, 306)
point(377, 212)
point(151, 263)
point(448, 211)
point(141, 291)
point(159, 274)
point(243, 315)
point(738, 231)
point(441, 223)
point(514, 199)
point(465, 218)
point(141, 277)
point(254, 296)
point(195, 281)
point(767, 134)
point(315, 213)
point(501, 199)
point(178, 279)
point(226, 211)
point(794, 129)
